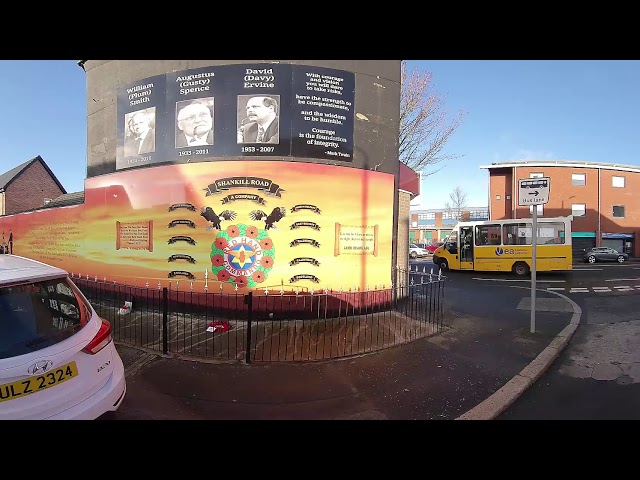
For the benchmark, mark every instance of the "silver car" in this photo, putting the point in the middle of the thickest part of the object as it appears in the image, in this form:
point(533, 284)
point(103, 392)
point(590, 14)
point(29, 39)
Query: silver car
point(604, 254)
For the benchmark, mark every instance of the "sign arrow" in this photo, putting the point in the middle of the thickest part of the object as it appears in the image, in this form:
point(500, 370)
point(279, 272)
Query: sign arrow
point(536, 193)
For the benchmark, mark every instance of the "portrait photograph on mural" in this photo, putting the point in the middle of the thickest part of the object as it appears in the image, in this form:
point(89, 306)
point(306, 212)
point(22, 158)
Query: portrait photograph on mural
point(258, 119)
point(194, 123)
point(140, 132)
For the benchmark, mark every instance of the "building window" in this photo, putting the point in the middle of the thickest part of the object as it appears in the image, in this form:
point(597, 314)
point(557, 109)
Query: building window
point(508, 197)
point(540, 210)
point(578, 179)
point(479, 214)
point(536, 175)
point(618, 211)
point(578, 209)
point(617, 182)
point(498, 197)
point(426, 216)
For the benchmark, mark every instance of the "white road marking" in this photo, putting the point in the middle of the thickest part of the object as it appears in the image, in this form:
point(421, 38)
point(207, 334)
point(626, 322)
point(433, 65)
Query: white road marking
point(579, 290)
point(587, 269)
point(601, 289)
point(514, 280)
point(622, 279)
point(560, 289)
point(623, 288)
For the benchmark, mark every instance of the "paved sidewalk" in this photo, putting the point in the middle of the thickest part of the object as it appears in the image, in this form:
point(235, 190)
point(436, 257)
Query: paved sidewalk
point(473, 370)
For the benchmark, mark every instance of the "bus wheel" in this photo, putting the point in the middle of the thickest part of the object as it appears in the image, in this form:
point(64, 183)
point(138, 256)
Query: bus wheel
point(520, 269)
point(443, 264)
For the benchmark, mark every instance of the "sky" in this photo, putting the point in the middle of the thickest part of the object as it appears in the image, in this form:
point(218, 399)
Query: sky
point(515, 110)
point(44, 113)
point(531, 110)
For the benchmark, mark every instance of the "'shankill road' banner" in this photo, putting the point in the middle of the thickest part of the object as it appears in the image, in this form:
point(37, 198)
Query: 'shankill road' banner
point(263, 184)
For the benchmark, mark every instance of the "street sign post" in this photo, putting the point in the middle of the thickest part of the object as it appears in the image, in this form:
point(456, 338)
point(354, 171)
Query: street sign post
point(533, 192)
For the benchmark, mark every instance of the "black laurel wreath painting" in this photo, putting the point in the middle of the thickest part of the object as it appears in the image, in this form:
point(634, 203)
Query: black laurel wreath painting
point(255, 110)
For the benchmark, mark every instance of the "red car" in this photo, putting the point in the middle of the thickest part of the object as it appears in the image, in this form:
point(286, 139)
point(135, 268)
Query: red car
point(434, 246)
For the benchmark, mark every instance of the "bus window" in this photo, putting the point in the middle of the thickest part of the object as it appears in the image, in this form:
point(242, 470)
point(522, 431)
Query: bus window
point(550, 234)
point(488, 235)
point(452, 243)
point(516, 234)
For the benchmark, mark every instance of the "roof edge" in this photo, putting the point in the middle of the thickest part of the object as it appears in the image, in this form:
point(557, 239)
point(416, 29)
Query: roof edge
point(46, 167)
point(570, 164)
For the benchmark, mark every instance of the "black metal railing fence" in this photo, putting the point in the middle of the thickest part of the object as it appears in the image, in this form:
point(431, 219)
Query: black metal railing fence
point(271, 325)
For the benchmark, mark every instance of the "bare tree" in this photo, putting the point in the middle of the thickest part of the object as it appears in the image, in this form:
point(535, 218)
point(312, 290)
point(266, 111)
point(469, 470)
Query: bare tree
point(457, 204)
point(424, 128)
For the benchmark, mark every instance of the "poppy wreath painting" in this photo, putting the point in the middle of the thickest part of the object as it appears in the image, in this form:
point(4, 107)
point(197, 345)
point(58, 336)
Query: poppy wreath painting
point(242, 255)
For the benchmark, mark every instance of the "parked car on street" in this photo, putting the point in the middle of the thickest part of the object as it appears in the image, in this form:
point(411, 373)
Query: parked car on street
point(604, 254)
point(434, 246)
point(417, 252)
point(57, 356)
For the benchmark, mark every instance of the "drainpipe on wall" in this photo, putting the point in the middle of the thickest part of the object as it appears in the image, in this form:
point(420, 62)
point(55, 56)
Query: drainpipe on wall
point(599, 239)
point(514, 191)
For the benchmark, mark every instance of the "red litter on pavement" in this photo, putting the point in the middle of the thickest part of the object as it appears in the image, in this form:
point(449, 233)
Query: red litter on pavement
point(218, 326)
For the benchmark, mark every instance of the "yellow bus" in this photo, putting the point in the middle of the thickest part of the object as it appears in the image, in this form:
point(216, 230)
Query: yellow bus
point(505, 246)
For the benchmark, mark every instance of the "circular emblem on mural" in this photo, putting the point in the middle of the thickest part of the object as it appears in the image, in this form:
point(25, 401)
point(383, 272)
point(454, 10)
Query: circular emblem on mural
point(242, 255)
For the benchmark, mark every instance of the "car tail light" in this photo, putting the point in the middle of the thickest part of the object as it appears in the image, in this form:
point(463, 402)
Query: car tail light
point(101, 340)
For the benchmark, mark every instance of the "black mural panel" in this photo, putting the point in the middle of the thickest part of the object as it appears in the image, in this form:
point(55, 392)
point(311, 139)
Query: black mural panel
point(262, 109)
point(249, 110)
point(140, 123)
point(322, 107)
point(194, 103)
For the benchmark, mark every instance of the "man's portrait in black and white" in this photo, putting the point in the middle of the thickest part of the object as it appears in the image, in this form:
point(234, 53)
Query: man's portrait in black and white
point(194, 122)
point(258, 119)
point(139, 132)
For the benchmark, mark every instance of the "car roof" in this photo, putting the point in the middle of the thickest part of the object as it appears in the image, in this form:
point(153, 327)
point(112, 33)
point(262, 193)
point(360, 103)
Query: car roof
point(16, 269)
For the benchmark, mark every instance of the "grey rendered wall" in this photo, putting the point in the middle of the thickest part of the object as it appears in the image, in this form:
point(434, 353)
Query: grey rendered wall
point(377, 106)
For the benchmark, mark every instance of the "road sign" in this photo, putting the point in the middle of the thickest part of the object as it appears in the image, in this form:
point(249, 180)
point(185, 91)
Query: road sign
point(533, 191)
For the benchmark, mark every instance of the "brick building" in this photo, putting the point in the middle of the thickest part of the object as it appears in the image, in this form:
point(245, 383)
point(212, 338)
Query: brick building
point(28, 186)
point(600, 196)
point(433, 225)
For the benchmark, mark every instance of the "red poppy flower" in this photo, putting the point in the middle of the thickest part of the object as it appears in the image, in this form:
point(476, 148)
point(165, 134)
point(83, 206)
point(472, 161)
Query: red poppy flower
point(266, 244)
point(217, 260)
point(220, 243)
point(233, 230)
point(266, 261)
point(252, 232)
point(258, 276)
point(241, 281)
point(223, 275)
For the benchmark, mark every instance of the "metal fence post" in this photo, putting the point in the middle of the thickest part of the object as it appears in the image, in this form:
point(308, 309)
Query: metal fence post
point(165, 326)
point(248, 299)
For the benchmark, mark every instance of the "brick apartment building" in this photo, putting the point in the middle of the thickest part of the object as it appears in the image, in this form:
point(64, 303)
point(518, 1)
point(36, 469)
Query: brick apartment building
point(433, 225)
point(28, 186)
point(600, 196)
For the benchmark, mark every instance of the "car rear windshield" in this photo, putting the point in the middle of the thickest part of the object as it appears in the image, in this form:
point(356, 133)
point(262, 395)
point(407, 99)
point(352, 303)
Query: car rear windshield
point(37, 315)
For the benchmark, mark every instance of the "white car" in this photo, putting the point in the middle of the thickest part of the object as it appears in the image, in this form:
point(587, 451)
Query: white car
point(57, 356)
point(416, 251)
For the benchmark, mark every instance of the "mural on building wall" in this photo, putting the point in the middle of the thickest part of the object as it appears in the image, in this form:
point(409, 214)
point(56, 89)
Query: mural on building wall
point(256, 110)
point(250, 224)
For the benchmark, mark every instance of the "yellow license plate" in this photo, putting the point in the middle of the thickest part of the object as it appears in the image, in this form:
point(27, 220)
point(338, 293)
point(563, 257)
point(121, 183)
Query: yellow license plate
point(21, 388)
